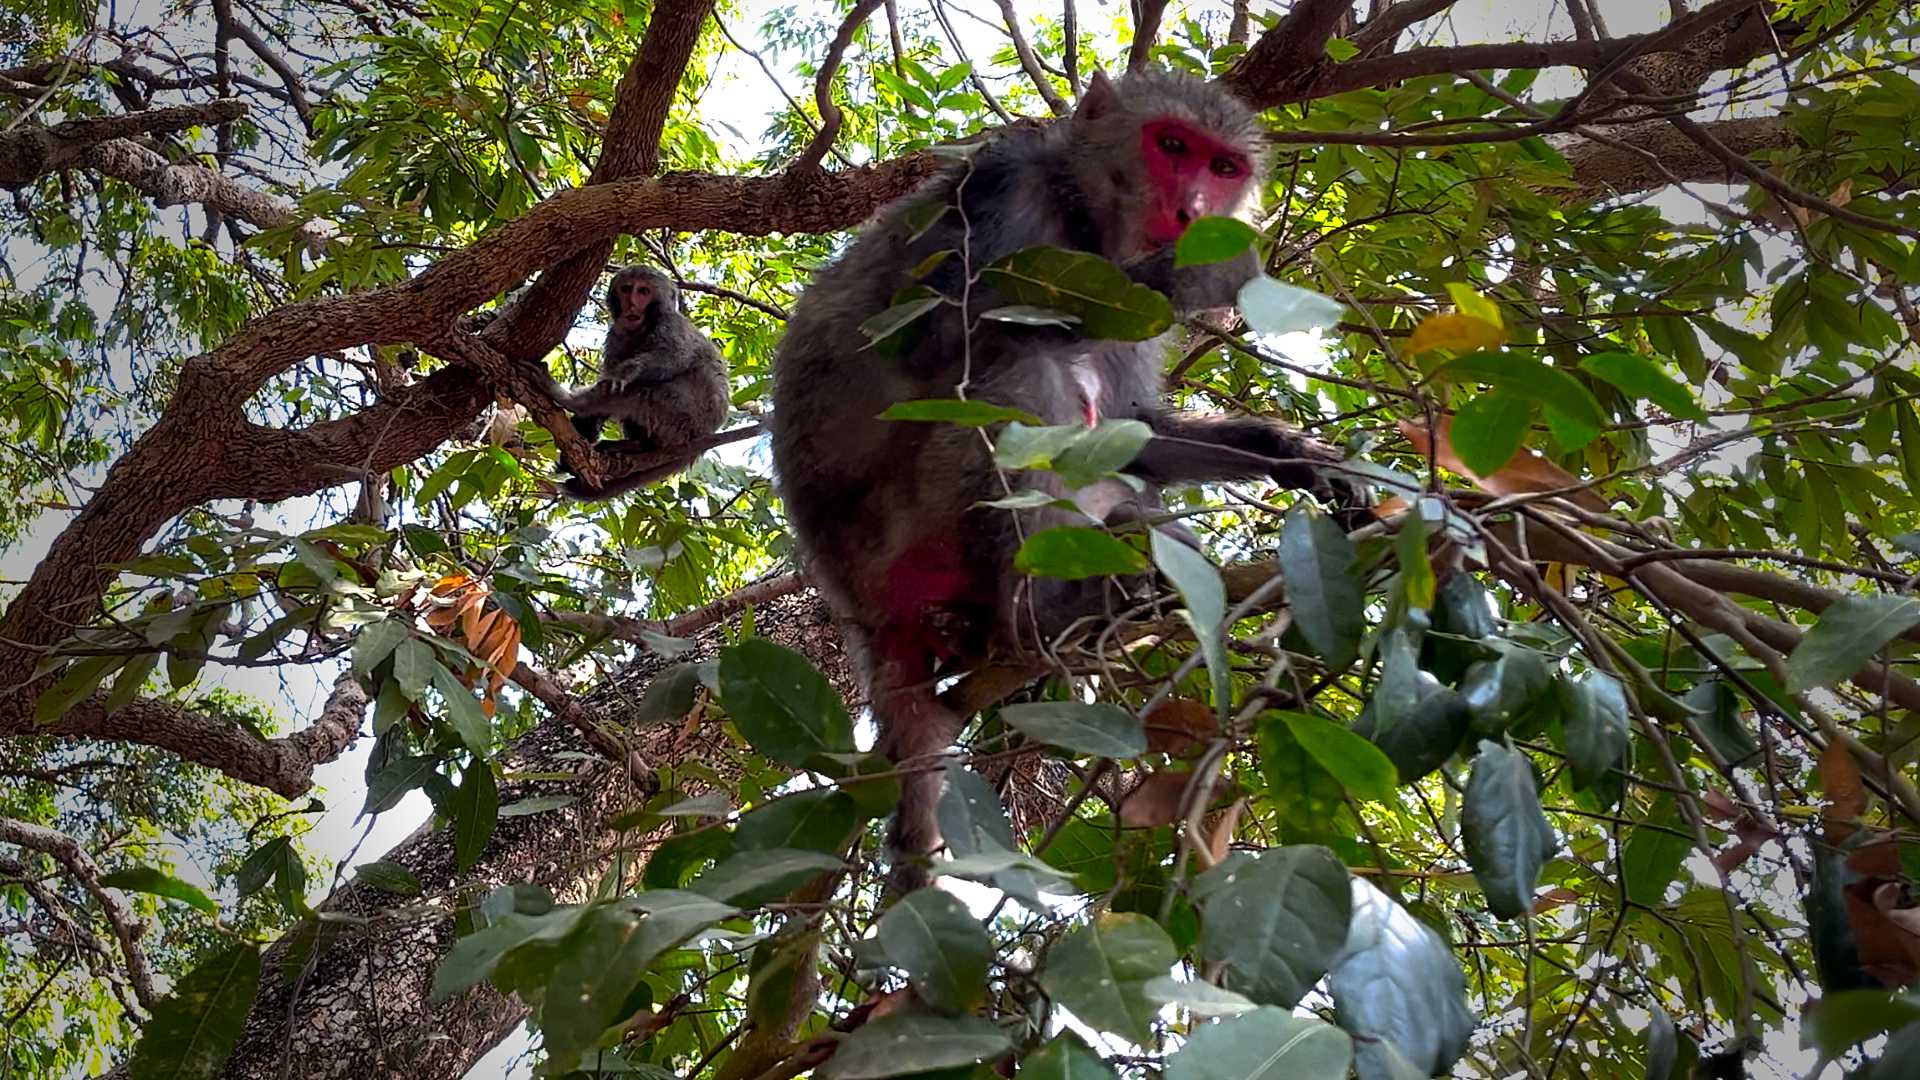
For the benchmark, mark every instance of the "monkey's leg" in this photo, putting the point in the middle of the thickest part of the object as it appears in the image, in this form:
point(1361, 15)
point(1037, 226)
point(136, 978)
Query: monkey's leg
point(915, 732)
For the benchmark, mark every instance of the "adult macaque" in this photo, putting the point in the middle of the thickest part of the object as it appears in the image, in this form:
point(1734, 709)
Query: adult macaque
point(886, 512)
point(660, 377)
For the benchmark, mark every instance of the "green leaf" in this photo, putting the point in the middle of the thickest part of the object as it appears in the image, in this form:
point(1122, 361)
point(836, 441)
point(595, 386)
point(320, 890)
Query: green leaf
point(1105, 448)
point(1275, 922)
point(476, 808)
point(714, 803)
point(390, 706)
point(597, 967)
point(1847, 1018)
point(1199, 998)
point(538, 804)
point(260, 866)
point(389, 877)
point(901, 315)
point(1358, 764)
point(943, 949)
point(909, 1042)
point(1100, 972)
point(413, 664)
point(1109, 305)
point(751, 878)
point(1271, 307)
point(1417, 582)
point(194, 1029)
point(1340, 50)
point(1097, 729)
point(1073, 553)
point(1065, 1058)
point(1639, 377)
point(952, 411)
point(1022, 446)
point(669, 696)
point(147, 879)
point(469, 721)
point(821, 819)
point(1507, 837)
point(1414, 720)
point(1266, 1044)
point(376, 642)
point(784, 707)
point(1326, 598)
point(1205, 595)
point(475, 956)
point(1498, 692)
point(1489, 429)
point(1566, 401)
point(386, 787)
point(131, 680)
point(1652, 856)
point(1846, 637)
point(1212, 240)
point(1594, 716)
point(1028, 315)
point(1719, 708)
point(79, 680)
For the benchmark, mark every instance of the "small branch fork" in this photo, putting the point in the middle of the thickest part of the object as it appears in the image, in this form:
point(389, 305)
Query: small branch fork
point(79, 865)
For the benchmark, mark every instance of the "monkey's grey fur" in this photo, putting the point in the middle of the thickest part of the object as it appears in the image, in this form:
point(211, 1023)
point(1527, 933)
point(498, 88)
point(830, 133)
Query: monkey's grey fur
point(660, 377)
point(885, 512)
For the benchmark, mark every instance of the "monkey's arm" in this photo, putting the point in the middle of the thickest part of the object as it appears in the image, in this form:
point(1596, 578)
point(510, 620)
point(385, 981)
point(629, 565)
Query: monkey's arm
point(1186, 448)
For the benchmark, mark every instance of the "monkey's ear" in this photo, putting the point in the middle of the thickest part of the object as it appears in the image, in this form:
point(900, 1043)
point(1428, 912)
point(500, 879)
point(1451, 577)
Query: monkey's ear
point(612, 299)
point(1099, 98)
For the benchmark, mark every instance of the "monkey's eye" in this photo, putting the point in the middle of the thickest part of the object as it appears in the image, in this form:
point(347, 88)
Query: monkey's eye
point(1172, 145)
point(1225, 166)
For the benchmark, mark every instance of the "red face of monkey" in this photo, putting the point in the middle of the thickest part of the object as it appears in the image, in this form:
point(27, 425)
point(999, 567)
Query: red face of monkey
point(1189, 175)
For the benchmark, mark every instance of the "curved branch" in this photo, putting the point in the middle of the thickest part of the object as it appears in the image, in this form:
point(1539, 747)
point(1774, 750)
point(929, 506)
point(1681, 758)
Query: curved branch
point(830, 115)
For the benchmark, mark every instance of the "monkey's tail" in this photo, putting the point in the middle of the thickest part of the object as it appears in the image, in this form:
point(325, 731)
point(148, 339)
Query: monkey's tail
point(916, 830)
point(620, 485)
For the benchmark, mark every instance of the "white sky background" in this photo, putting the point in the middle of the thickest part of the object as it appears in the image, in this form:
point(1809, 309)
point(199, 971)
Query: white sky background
point(742, 101)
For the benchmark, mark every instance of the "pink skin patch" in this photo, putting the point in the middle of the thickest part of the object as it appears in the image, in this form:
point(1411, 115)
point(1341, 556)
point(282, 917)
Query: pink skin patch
point(922, 580)
point(1190, 175)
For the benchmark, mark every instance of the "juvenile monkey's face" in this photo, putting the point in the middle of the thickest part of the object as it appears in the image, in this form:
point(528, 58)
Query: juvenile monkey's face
point(629, 298)
point(1190, 173)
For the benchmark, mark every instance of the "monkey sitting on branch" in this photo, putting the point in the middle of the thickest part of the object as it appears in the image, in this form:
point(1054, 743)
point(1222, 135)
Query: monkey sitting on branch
point(888, 513)
point(661, 379)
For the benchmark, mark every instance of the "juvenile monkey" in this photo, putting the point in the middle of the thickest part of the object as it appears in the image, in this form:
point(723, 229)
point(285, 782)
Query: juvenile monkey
point(660, 377)
point(886, 512)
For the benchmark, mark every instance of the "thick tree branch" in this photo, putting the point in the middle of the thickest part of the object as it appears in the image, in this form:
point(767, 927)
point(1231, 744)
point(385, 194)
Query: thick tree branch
point(283, 766)
point(1291, 57)
point(168, 184)
point(30, 153)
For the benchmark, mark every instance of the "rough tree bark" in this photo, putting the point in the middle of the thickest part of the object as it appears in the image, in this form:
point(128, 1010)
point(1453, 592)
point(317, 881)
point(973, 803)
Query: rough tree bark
point(362, 1009)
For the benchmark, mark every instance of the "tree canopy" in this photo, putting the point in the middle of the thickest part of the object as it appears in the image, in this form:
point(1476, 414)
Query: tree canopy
point(1594, 752)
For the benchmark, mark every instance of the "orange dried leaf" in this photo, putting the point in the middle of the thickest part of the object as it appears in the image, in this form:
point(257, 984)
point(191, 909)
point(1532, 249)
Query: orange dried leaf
point(1178, 724)
point(1846, 793)
point(1221, 837)
point(1155, 801)
point(451, 584)
point(1527, 472)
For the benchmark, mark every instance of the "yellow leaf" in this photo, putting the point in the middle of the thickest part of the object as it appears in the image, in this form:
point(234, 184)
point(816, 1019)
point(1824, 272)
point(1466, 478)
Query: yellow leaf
point(1461, 334)
point(1472, 304)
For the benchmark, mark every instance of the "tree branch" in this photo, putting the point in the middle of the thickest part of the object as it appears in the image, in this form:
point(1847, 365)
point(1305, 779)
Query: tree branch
point(29, 153)
point(79, 865)
point(1031, 63)
point(830, 115)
